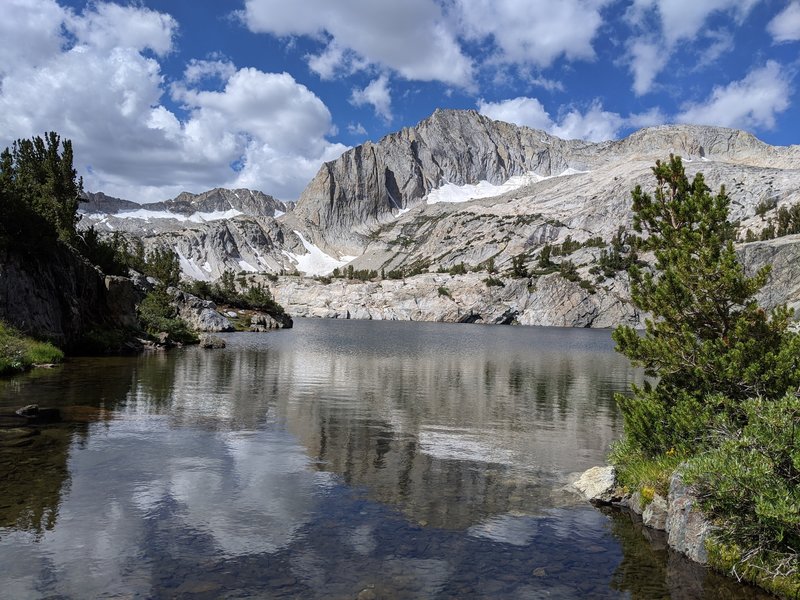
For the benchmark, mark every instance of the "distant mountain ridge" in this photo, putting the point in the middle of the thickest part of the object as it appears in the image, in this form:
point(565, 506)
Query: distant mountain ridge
point(462, 188)
point(371, 183)
point(249, 202)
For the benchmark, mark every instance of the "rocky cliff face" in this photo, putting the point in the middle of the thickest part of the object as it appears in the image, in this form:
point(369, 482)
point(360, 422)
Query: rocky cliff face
point(551, 301)
point(372, 184)
point(461, 188)
point(61, 297)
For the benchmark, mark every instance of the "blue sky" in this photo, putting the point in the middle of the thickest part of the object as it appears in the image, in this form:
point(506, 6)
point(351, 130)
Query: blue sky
point(161, 96)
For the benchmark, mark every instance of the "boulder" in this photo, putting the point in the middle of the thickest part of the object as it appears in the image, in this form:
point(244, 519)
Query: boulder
point(655, 513)
point(598, 485)
point(636, 503)
point(201, 315)
point(211, 342)
point(686, 526)
point(261, 322)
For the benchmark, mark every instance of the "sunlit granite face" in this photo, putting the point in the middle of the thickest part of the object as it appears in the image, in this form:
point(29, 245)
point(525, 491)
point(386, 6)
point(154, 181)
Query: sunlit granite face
point(412, 460)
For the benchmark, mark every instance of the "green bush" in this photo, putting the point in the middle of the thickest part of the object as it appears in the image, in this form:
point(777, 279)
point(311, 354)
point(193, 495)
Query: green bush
point(640, 472)
point(459, 269)
point(518, 268)
point(225, 291)
point(19, 353)
point(157, 315)
point(749, 482)
point(568, 271)
point(494, 282)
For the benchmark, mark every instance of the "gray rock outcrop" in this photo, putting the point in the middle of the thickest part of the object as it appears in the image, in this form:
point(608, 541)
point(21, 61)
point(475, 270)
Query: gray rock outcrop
point(199, 314)
point(60, 296)
point(655, 514)
point(686, 525)
point(211, 342)
point(262, 322)
point(553, 301)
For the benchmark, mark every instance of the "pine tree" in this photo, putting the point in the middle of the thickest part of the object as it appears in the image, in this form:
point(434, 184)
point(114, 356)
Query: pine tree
point(39, 191)
point(708, 341)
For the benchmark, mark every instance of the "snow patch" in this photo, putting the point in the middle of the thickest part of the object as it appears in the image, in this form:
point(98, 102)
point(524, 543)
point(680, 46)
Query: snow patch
point(315, 262)
point(217, 215)
point(278, 213)
point(147, 215)
point(450, 192)
point(246, 266)
point(190, 268)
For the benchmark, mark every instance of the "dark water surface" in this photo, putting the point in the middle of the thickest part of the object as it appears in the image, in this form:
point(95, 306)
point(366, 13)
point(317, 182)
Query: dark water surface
point(339, 459)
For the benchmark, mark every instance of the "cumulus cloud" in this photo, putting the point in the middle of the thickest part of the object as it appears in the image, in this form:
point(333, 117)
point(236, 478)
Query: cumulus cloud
point(647, 61)
point(533, 32)
point(785, 26)
point(752, 102)
point(595, 124)
point(198, 70)
point(377, 95)
point(30, 31)
point(97, 86)
point(528, 112)
point(411, 37)
point(664, 24)
point(107, 26)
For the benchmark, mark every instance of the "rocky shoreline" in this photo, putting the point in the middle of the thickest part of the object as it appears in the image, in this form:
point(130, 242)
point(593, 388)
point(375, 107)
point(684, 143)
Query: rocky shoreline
point(549, 300)
point(678, 514)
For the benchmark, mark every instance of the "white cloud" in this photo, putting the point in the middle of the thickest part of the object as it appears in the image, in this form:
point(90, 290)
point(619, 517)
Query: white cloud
point(785, 26)
point(595, 124)
point(528, 112)
point(533, 31)
point(198, 70)
point(356, 129)
point(377, 95)
point(664, 24)
point(30, 31)
point(409, 37)
point(683, 19)
point(647, 61)
point(106, 95)
point(107, 26)
point(749, 103)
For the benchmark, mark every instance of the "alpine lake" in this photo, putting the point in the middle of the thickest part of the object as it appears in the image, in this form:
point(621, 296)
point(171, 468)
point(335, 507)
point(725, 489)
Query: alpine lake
point(338, 459)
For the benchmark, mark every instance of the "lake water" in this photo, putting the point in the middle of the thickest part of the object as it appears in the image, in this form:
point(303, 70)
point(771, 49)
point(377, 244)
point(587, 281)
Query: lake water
point(339, 459)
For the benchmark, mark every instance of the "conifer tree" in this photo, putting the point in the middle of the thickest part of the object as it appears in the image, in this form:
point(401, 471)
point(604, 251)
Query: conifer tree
point(707, 340)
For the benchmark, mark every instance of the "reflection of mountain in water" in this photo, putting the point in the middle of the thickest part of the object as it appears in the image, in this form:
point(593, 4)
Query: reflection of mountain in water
point(419, 425)
point(413, 460)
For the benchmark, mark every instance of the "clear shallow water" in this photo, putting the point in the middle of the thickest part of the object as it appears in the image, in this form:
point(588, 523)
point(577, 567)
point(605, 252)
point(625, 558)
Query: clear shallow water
point(407, 460)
